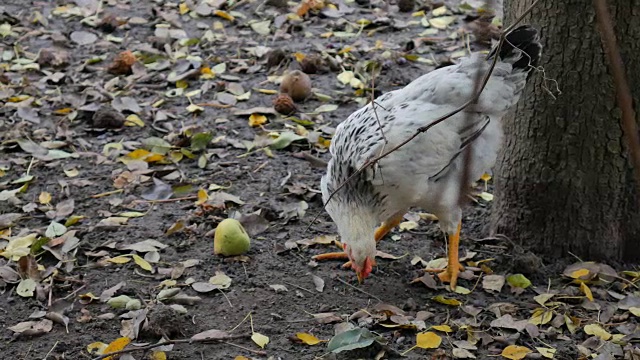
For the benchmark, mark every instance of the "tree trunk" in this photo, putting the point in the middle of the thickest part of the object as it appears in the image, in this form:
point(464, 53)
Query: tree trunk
point(564, 182)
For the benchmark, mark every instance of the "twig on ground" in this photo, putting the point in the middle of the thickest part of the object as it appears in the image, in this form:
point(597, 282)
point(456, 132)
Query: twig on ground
point(425, 128)
point(623, 92)
point(171, 342)
point(358, 289)
point(299, 287)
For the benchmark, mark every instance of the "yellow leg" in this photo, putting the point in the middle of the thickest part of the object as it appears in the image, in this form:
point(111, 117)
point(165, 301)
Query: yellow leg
point(381, 231)
point(387, 226)
point(450, 273)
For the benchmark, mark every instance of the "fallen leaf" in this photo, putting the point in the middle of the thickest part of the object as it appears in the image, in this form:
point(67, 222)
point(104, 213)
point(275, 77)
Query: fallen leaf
point(597, 330)
point(428, 340)
point(515, 352)
point(447, 301)
point(519, 281)
point(259, 339)
point(257, 120)
point(357, 338)
point(546, 352)
point(586, 291)
point(493, 282)
point(318, 282)
point(309, 339)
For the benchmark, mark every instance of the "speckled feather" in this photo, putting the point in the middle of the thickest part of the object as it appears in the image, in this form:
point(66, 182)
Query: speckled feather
point(425, 172)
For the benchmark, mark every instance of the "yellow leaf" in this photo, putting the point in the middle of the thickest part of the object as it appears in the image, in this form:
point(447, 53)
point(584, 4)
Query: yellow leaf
point(418, 13)
point(595, 329)
point(132, 214)
point(541, 317)
point(308, 339)
point(260, 339)
point(182, 84)
point(428, 340)
point(444, 328)
point(257, 120)
point(158, 355)
point(134, 120)
point(18, 247)
point(635, 311)
point(184, 8)
point(202, 197)
point(515, 352)
point(96, 347)
point(546, 352)
point(240, 357)
point(443, 300)
point(461, 290)
point(223, 14)
point(572, 323)
point(44, 198)
point(122, 259)
point(267, 91)
point(63, 111)
point(299, 56)
point(579, 273)
point(73, 219)
point(116, 345)
point(71, 172)
point(586, 291)
point(142, 262)
point(139, 154)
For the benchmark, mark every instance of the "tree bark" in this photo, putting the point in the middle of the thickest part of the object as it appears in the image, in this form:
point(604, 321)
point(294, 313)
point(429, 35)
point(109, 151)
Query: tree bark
point(564, 183)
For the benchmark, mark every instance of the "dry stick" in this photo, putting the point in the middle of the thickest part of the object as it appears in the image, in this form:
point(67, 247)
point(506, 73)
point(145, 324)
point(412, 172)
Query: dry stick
point(625, 101)
point(170, 342)
point(446, 116)
point(358, 289)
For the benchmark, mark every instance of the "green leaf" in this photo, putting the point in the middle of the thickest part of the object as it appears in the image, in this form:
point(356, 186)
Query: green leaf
point(26, 288)
point(351, 339)
point(285, 139)
point(200, 141)
point(518, 280)
point(55, 229)
point(262, 27)
point(157, 145)
point(326, 108)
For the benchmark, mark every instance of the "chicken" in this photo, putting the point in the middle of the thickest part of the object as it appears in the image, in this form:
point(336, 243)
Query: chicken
point(426, 172)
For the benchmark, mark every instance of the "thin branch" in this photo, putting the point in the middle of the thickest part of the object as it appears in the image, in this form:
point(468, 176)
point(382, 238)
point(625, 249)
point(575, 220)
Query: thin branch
point(425, 128)
point(170, 342)
point(358, 289)
point(623, 92)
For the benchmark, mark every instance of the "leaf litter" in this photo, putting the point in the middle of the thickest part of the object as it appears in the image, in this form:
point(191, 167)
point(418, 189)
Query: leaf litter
point(121, 165)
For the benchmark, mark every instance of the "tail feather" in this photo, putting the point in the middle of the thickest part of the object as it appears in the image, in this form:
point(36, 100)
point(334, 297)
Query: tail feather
point(521, 47)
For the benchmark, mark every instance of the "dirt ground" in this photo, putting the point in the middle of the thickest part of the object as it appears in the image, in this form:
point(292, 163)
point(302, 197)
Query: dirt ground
point(281, 185)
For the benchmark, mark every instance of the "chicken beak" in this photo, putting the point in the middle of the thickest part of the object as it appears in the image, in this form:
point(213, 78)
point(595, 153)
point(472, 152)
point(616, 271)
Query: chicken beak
point(360, 277)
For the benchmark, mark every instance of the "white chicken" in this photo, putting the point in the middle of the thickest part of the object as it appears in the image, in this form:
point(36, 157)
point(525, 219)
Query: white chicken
point(426, 172)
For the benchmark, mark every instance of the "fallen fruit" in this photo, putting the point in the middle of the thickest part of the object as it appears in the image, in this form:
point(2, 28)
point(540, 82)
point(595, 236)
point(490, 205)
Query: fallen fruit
point(230, 238)
point(283, 104)
point(297, 85)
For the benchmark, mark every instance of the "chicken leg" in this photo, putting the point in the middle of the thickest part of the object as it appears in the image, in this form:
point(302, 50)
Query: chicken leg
point(381, 231)
point(451, 272)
